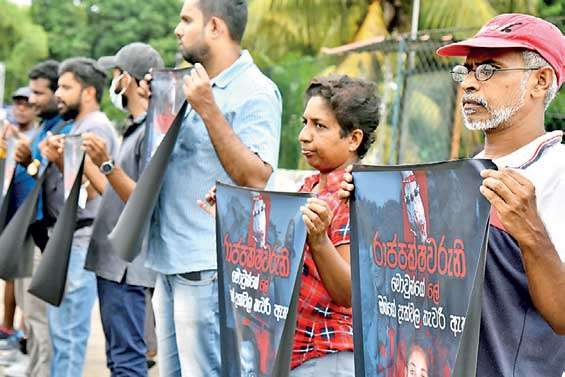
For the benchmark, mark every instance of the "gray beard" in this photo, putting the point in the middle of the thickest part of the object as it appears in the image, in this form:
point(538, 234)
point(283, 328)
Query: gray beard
point(498, 116)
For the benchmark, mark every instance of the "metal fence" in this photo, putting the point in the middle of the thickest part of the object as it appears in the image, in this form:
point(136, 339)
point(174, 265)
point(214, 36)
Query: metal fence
point(421, 119)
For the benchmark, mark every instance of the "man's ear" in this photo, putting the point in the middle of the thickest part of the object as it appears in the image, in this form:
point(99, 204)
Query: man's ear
point(543, 80)
point(90, 92)
point(216, 27)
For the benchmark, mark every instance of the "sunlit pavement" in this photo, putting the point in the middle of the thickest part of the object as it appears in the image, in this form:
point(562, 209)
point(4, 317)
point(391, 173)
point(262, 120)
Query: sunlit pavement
point(95, 356)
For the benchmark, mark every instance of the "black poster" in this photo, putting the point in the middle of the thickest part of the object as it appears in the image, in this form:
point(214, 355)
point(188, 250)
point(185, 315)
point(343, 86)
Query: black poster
point(260, 243)
point(419, 238)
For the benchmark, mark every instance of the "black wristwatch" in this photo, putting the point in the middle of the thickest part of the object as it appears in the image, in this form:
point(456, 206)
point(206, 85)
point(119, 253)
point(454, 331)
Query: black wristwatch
point(107, 167)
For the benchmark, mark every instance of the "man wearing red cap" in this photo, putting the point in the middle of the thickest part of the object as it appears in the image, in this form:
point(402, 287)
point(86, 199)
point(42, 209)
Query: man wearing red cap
point(513, 69)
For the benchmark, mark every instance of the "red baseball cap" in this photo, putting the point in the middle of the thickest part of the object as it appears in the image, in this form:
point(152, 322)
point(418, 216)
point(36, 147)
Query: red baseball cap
point(517, 30)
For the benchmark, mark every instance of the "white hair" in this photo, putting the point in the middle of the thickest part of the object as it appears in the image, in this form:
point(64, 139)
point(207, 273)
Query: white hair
point(534, 60)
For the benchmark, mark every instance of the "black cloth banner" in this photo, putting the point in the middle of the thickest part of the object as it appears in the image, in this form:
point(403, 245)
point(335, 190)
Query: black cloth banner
point(127, 236)
point(16, 239)
point(260, 238)
point(419, 237)
point(16, 242)
point(49, 280)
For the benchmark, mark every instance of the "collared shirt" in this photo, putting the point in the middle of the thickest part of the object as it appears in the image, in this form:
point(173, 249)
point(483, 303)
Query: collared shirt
point(515, 340)
point(101, 258)
point(98, 123)
point(322, 326)
point(182, 236)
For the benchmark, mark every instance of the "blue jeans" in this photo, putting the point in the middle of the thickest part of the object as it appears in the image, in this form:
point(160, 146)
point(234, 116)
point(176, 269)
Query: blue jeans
point(187, 325)
point(69, 324)
point(122, 310)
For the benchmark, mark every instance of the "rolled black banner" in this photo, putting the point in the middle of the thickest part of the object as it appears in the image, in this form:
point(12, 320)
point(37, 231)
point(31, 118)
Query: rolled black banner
point(49, 280)
point(16, 242)
point(260, 239)
point(128, 233)
point(418, 248)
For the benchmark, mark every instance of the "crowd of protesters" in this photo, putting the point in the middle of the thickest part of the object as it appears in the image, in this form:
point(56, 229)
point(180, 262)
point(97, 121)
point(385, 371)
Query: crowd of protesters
point(513, 68)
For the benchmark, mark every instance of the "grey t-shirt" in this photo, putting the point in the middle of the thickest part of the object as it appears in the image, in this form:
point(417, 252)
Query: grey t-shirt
point(95, 122)
point(101, 259)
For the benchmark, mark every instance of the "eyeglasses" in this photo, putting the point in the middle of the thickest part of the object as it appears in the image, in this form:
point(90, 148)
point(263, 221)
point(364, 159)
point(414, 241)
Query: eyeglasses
point(483, 72)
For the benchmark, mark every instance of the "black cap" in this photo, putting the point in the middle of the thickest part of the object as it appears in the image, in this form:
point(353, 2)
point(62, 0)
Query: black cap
point(135, 58)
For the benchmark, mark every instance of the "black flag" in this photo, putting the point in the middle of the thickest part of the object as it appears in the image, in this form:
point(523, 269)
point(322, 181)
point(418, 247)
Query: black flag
point(49, 280)
point(127, 236)
point(128, 233)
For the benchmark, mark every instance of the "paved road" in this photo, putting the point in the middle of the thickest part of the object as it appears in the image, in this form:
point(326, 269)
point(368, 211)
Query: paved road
point(95, 357)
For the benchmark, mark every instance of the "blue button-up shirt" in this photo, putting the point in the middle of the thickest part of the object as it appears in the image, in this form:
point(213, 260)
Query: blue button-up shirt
point(182, 235)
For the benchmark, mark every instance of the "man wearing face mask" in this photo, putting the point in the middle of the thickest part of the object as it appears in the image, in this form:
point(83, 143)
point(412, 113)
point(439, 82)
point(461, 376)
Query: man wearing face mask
point(81, 86)
point(122, 285)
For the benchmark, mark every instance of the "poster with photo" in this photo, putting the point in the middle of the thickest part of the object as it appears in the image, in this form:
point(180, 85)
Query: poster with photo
point(260, 244)
point(72, 157)
point(167, 97)
point(419, 237)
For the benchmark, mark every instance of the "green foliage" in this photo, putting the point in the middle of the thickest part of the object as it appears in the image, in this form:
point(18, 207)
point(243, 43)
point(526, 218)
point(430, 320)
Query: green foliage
point(279, 27)
point(292, 74)
point(22, 43)
point(94, 28)
point(552, 8)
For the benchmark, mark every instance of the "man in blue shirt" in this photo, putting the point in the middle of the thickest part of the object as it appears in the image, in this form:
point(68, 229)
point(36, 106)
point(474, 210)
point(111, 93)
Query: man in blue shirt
point(43, 84)
point(231, 133)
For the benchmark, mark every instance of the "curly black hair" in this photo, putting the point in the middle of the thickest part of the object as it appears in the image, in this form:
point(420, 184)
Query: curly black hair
point(354, 102)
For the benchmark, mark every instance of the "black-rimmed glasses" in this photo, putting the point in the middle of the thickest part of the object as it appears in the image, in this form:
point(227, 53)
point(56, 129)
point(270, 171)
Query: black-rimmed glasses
point(483, 72)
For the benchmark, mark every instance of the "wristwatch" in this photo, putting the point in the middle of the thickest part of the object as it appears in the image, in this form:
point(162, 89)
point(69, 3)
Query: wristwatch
point(33, 167)
point(107, 167)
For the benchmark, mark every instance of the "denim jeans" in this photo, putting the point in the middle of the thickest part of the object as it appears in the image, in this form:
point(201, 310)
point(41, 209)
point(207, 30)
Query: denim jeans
point(188, 329)
point(69, 324)
point(122, 310)
point(339, 364)
point(34, 311)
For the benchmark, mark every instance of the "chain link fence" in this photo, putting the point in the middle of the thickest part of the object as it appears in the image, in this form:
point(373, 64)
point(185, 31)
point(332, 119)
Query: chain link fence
point(420, 120)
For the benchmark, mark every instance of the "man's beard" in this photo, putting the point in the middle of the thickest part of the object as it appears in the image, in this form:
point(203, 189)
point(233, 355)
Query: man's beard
point(71, 111)
point(196, 55)
point(498, 116)
point(50, 111)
